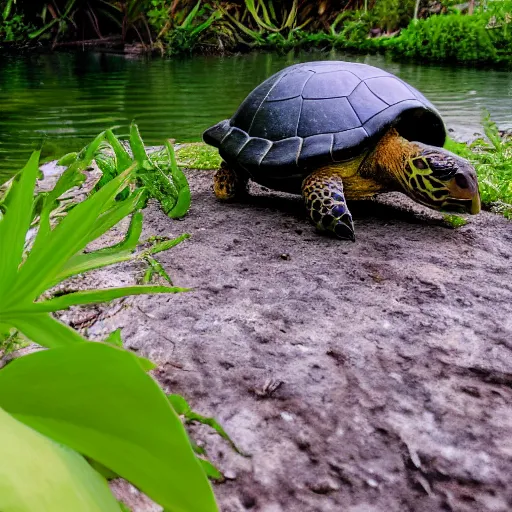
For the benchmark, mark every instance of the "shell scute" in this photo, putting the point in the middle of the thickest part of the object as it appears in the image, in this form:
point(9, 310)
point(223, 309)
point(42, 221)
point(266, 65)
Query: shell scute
point(284, 150)
point(289, 86)
point(243, 117)
point(337, 84)
point(349, 144)
point(235, 140)
point(253, 152)
point(277, 120)
point(313, 147)
point(326, 116)
point(389, 89)
point(364, 103)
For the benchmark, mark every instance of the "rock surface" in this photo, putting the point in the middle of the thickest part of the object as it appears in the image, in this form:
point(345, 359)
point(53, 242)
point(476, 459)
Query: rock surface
point(359, 377)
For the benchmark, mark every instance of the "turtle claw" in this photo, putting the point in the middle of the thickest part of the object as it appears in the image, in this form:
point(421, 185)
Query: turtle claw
point(344, 229)
point(341, 227)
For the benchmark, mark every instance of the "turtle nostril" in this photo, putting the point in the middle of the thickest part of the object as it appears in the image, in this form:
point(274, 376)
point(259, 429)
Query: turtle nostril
point(461, 181)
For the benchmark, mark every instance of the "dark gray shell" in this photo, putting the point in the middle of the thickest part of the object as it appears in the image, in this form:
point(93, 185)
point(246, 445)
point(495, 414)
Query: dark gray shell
point(312, 114)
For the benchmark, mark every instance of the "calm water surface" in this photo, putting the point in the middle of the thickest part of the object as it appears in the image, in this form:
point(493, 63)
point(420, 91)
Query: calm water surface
point(66, 99)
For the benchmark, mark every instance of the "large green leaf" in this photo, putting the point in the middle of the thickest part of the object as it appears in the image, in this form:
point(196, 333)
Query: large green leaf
point(38, 474)
point(96, 399)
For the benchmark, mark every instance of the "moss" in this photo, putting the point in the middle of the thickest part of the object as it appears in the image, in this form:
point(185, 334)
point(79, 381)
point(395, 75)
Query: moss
point(454, 221)
point(198, 155)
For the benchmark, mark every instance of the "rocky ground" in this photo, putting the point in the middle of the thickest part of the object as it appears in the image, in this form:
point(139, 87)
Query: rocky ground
point(358, 377)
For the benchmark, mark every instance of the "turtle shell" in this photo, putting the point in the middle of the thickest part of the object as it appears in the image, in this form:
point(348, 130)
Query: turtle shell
point(316, 113)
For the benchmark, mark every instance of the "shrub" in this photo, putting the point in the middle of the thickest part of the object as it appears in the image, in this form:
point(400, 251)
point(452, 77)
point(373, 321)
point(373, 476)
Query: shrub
point(454, 38)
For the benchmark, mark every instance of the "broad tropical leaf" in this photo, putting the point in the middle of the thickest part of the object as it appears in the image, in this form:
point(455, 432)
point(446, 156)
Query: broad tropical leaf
point(97, 399)
point(38, 474)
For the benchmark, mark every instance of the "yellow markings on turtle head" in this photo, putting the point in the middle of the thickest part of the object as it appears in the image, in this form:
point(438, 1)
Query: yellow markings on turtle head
point(417, 177)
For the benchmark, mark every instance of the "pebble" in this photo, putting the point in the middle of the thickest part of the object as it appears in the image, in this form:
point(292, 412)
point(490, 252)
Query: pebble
point(287, 416)
point(372, 483)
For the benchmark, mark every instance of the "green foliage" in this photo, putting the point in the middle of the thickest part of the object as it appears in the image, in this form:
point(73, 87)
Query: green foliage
point(31, 464)
point(492, 158)
point(58, 251)
point(457, 38)
point(161, 177)
point(185, 26)
point(88, 411)
point(393, 14)
point(14, 29)
point(354, 28)
point(181, 31)
point(198, 156)
point(454, 221)
point(99, 401)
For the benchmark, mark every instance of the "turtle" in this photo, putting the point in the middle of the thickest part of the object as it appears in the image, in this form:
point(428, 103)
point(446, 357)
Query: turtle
point(334, 131)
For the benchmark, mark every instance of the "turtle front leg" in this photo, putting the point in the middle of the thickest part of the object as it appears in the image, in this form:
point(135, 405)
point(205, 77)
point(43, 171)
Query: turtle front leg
point(228, 184)
point(326, 205)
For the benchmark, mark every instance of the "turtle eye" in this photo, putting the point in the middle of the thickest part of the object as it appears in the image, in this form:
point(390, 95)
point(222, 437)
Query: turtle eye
point(420, 163)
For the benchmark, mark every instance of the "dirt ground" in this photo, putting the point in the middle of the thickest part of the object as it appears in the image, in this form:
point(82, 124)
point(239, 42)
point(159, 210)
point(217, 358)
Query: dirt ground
point(358, 377)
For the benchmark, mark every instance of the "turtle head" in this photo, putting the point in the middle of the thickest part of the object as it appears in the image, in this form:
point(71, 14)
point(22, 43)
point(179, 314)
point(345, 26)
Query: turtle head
point(441, 180)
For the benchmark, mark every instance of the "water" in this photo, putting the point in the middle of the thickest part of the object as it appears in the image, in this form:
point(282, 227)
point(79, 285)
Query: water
point(66, 99)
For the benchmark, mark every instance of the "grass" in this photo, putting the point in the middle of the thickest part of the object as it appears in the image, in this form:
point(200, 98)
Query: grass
point(454, 221)
point(198, 155)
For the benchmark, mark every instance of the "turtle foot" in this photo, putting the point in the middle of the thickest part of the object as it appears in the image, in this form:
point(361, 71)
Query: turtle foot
point(326, 205)
point(228, 185)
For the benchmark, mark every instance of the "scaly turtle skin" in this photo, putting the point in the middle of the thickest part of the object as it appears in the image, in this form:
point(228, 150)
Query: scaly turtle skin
point(334, 131)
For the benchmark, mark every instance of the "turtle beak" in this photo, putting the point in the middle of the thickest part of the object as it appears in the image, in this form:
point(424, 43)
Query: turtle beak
point(464, 191)
point(475, 204)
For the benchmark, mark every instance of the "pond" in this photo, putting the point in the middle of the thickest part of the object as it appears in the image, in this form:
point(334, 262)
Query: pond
point(65, 99)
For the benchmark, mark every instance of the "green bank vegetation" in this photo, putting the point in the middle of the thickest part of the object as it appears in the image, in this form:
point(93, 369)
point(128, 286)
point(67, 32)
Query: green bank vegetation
point(444, 30)
point(88, 410)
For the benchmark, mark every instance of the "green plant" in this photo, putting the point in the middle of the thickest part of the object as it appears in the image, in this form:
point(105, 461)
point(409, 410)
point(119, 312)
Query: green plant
point(26, 456)
point(161, 177)
point(14, 29)
point(57, 253)
point(89, 411)
point(99, 401)
point(355, 29)
point(393, 14)
point(455, 37)
point(181, 30)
